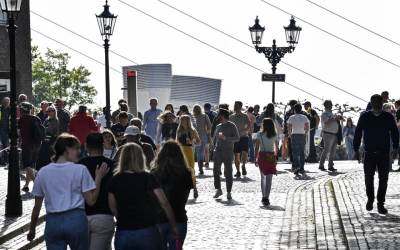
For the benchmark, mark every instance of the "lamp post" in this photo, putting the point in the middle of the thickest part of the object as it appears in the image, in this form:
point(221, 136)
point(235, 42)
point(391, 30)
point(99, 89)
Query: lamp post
point(106, 21)
point(274, 54)
point(13, 200)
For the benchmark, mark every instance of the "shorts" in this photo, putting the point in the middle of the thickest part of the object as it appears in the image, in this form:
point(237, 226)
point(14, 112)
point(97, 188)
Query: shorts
point(241, 146)
point(29, 156)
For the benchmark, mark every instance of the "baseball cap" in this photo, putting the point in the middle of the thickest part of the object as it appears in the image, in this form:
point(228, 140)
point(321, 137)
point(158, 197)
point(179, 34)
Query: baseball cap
point(26, 106)
point(132, 130)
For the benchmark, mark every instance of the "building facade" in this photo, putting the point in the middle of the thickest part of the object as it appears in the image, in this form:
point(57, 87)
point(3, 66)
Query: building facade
point(23, 52)
point(157, 80)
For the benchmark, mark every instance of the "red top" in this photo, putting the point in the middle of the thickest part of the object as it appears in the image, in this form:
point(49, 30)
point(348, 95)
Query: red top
point(81, 125)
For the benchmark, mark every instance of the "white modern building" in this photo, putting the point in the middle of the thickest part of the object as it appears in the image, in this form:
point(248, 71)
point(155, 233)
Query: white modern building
point(156, 80)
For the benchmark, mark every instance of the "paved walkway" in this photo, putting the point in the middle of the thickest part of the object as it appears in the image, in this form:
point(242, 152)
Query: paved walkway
point(324, 211)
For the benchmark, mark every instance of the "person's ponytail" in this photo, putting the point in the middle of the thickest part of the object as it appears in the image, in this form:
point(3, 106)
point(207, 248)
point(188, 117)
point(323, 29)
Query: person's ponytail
point(61, 144)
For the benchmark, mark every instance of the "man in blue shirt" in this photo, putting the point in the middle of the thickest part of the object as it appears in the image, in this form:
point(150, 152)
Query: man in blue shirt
point(379, 130)
point(150, 121)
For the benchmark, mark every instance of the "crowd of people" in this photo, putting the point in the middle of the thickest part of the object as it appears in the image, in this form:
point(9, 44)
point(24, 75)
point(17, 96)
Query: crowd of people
point(133, 180)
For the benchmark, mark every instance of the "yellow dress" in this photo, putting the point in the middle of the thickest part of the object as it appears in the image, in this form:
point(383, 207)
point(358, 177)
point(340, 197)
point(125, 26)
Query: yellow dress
point(189, 156)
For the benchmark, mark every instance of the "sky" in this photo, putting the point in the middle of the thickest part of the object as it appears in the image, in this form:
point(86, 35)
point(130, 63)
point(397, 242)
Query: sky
point(145, 40)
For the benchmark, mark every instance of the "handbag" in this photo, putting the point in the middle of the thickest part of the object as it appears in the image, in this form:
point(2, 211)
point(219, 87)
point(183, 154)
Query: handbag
point(266, 161)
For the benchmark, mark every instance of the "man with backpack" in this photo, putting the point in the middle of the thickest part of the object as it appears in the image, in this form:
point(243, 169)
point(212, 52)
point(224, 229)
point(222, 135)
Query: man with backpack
point(32, 134)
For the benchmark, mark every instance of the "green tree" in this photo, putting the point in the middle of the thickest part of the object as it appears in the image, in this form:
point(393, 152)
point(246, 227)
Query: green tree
point(53, 78)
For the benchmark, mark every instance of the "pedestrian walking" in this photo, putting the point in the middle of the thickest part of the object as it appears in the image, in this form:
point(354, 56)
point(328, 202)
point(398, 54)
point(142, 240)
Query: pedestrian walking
point(100, 219)
point(252, 120)
point(330, 128)
point(150, 121)
point(348, 133)
point(266, 149)
point(397, 106)
point(287, 143)
point(175, 178)
point(240, 149)
point(226, 135)
point(43, 111)
point(210, 113)
point(187, 138)
point(133, 195)
point(203, 128)
point(166, 127)
point(298, 128)
point(211, 116)
point(169, 107)
point(119, 128)
point(4, 129)
point(132, 135)
point(143, 137)
point(314, 119)
point(65, 186)
point(52, 130)
point(114, 115)
point(110, 145)
point(379, 131)
point(63, 115)
point(81, 125)
point(32, 134)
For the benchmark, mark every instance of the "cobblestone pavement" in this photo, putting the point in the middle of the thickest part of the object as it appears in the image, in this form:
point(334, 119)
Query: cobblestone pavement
point(321, 211)
point(369, 230)
point(302, 215)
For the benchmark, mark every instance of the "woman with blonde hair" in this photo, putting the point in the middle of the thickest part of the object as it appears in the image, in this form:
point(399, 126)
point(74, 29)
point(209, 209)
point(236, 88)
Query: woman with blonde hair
point(187, 137)
point(203, 127)
point(132, 196)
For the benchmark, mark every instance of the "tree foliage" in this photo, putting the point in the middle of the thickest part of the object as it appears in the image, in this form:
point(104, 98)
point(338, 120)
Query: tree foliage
point(53, 78)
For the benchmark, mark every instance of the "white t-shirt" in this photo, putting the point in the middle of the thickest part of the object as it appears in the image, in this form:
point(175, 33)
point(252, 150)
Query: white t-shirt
point(62, 185)
point(266, 144)
point(298, 122)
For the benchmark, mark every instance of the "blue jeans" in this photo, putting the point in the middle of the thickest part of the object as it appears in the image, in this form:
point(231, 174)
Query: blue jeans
point(67, 228)
point(168, 242)
point(349, 148)
point(199, 150)
point(298, 142)
point(252, 157)
point(141, 239)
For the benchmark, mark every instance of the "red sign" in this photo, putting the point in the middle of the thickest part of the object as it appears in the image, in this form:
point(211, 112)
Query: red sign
point(131, 73)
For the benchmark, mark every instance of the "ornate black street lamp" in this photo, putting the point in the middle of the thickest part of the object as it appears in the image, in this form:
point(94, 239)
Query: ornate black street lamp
point(274, 54)
point(106, 21)
point(13, 200)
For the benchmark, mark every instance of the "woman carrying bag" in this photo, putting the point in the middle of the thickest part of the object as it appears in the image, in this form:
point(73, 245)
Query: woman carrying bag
point(266, 151)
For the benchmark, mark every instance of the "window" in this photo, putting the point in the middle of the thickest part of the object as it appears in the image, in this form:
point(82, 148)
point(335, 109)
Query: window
point(3, 18)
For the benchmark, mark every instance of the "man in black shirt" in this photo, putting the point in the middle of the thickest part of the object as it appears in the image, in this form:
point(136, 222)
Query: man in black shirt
point(100, 219)
point(379, 130)
point(314, 119)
